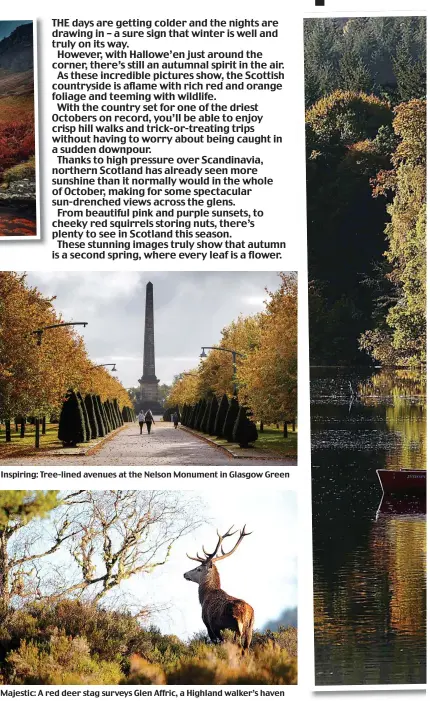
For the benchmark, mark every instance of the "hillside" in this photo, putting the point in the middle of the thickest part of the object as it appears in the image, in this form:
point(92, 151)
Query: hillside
point(16, 62)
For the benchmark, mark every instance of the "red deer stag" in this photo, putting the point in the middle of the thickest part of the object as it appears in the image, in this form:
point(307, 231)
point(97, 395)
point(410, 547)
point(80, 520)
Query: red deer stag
point(220, 611)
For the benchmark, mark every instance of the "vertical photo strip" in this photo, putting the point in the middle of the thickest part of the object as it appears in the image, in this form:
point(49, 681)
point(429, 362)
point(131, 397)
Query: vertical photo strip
point(365, 87)
point(18, 131)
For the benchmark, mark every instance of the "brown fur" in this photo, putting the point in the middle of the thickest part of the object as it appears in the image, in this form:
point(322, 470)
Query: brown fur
point(220, 611)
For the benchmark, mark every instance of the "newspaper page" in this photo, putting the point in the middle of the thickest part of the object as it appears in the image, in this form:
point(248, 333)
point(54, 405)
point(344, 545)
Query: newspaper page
point(212, 349)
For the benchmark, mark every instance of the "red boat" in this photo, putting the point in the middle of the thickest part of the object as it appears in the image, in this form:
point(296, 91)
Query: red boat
point(402, 481)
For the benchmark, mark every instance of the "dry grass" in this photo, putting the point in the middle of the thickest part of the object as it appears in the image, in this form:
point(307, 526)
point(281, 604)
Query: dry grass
point(75, 643)
point(15, 108)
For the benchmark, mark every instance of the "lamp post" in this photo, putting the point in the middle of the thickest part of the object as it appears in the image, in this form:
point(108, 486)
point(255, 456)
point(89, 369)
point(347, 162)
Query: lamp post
point(234, 355)
point(108, 365)
point(39, 334)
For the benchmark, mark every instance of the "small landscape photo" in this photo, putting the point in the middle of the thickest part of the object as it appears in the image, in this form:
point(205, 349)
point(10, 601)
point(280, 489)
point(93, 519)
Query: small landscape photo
point(148, 588)
point(18, 211)
point(128, 369)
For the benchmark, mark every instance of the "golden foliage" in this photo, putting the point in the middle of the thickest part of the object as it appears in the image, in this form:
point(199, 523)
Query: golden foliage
point(267, 367)
point(269, 373)
point(34, 379)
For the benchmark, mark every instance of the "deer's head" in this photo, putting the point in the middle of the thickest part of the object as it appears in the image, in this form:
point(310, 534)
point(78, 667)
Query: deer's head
point(199, 574)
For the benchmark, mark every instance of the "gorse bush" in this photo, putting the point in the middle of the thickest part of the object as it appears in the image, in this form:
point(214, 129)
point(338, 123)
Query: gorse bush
point(21, 171)
point(62, 661)
point(70, 642)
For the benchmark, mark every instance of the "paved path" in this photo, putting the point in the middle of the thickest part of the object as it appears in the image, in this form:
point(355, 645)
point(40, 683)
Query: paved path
point(164, 446)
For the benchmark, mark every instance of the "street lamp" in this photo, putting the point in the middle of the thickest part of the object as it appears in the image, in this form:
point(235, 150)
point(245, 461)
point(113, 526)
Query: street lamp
point(108, 365)
point(234, 355)
point(39, 332)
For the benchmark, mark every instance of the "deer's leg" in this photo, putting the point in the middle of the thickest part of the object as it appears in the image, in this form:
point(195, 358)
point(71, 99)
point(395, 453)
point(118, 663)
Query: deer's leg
point(212, 636)
point(248, 634)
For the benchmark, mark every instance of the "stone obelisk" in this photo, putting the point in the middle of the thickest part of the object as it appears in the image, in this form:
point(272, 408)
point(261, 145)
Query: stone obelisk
point(149, 394)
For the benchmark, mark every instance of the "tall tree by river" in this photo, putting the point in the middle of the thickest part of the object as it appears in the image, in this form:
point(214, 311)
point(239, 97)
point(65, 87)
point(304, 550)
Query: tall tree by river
point(365, 88)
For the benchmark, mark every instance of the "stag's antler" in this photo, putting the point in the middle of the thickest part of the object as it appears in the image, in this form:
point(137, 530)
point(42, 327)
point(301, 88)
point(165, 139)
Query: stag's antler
point(212, 556)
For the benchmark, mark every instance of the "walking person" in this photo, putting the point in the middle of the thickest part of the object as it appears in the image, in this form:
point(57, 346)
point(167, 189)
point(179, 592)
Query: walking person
point(141, 420)
point(175, 419)
point(149, 420)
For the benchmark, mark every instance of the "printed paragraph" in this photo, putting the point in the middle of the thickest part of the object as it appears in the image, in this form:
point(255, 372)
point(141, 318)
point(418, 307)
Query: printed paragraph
point(158, 153)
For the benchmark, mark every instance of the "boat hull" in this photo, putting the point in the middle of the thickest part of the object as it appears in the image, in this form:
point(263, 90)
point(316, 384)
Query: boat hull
point(402, 481)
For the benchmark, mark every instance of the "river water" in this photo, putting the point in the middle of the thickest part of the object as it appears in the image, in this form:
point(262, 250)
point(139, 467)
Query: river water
point(369, 557)
point(18, 222)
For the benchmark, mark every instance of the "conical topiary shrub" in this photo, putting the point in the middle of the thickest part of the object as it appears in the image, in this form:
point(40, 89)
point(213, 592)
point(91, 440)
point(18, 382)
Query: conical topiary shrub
point(245, 430)
point(89, 405)
point(191, 416)
point(113, 418)
point(230, 419)
point(202, 410)
point(85, 415)
point(186, 417)
point(117, 412)
point(107, 417)
point(210, 419)
point(196, 414)
point(98, 410)
point(218, 427)
point(167, 414)
point(204, 420)
point(71, 428)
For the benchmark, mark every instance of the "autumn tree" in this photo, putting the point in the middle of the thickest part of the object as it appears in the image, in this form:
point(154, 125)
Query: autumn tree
point(401, 337)
point(270, 372)
point(18, 508)
point(215, 373)
point(184, 390)
point(104, 538)
point(348, 140)
point(34, 378)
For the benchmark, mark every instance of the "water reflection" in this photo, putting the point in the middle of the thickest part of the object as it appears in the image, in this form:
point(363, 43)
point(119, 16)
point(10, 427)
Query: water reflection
point(369, 556)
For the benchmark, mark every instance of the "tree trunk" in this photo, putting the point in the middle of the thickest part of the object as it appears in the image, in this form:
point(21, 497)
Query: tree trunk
point(16, 424)
point(294, 424)
point(37, 433)
point(43, 425)
point(285, 429)
point(4, 574)
point(261, 427)
point(277, 425)
point(22, 432)
point(7, 427)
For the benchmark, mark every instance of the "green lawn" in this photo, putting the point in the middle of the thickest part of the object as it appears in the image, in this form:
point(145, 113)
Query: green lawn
point(26, 444)
point(271, 439)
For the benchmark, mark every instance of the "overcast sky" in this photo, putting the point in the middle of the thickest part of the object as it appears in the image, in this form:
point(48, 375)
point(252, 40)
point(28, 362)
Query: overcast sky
point(263, 570)
point(190, 311)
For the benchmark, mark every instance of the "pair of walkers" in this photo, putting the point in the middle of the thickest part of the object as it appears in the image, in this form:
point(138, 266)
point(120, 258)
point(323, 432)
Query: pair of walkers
point(146, 418)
